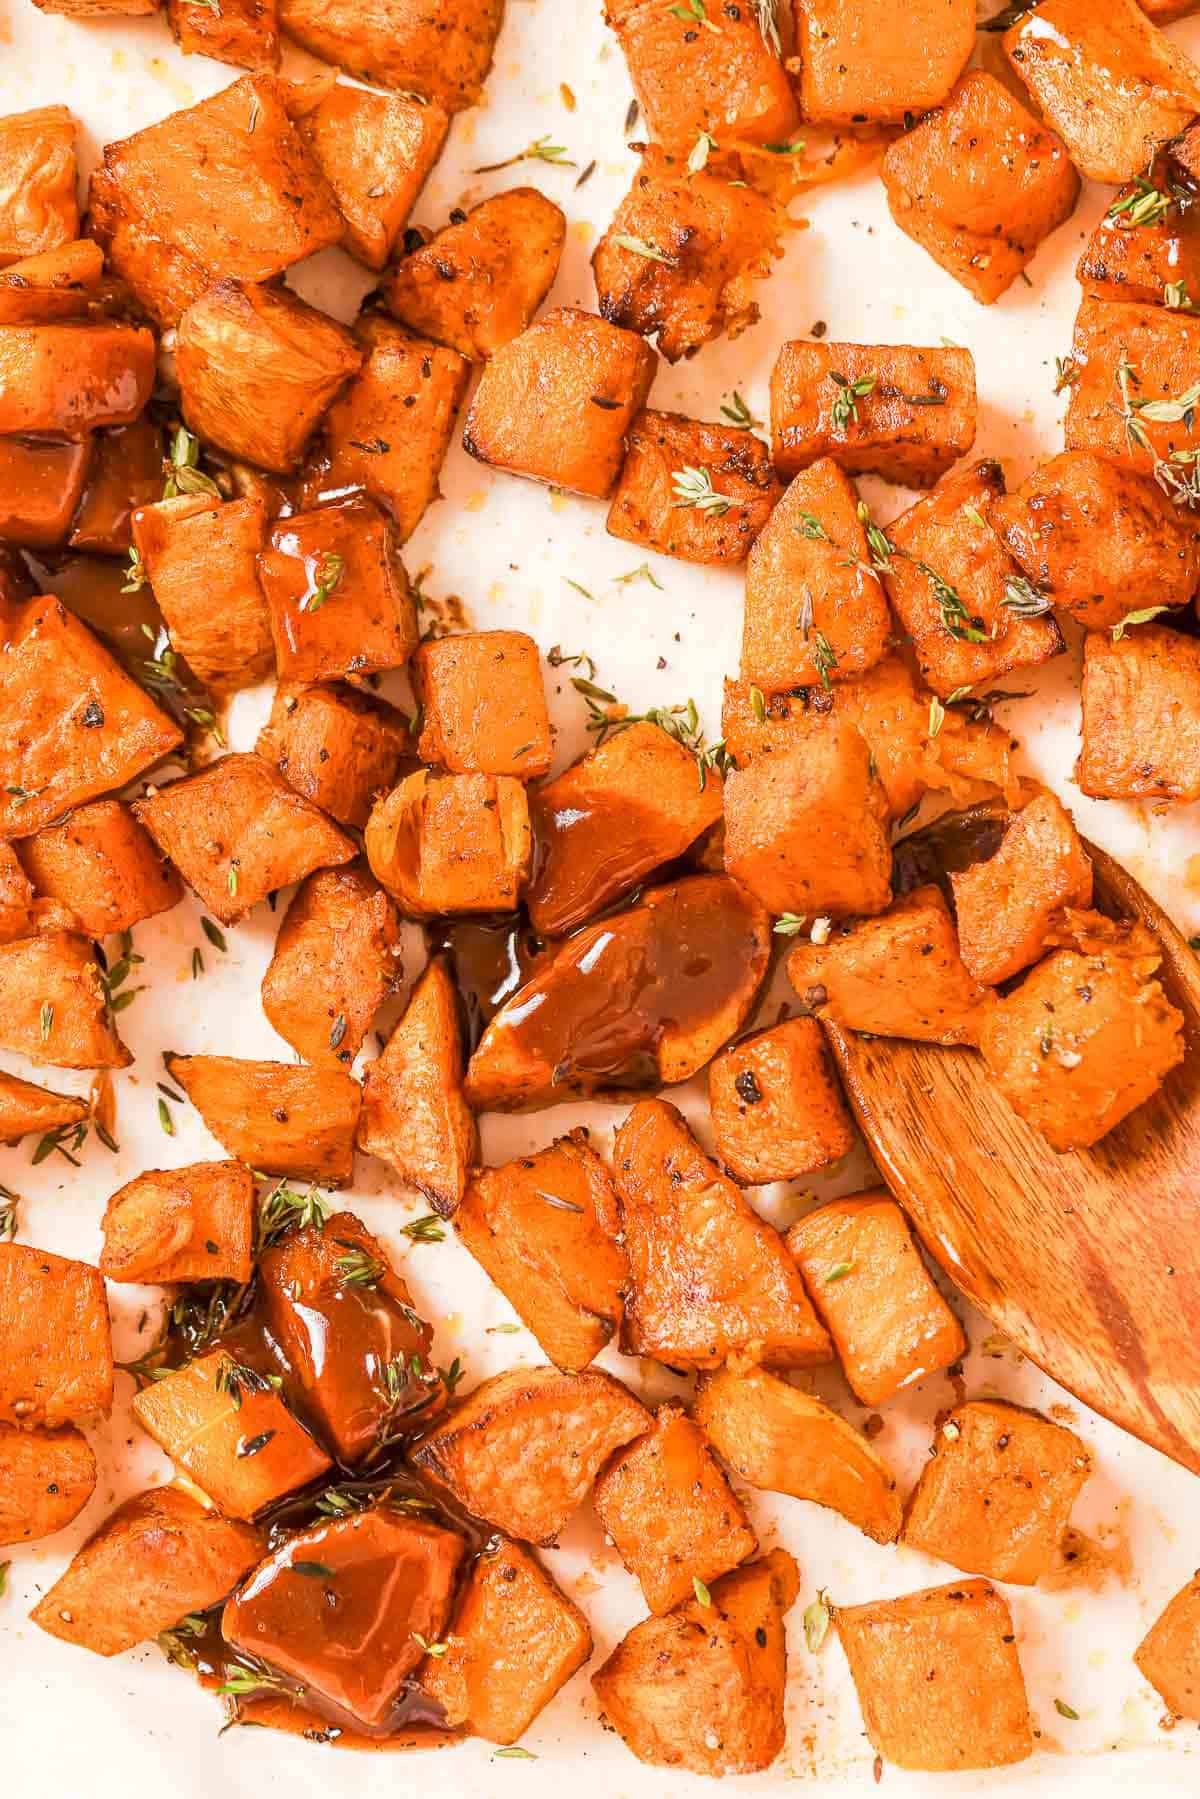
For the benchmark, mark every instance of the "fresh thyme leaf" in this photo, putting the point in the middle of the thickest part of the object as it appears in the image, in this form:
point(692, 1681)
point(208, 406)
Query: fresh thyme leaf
point(1145, 205)
point(1066, 1711)
point(427, 1229)
point(540, 150)
point(637, 246)
point(557, 659)
point(1023, 598)
point(454, 1373)
point(817, 1617)
point(231, 880)
point(135, 573)
point(738, 413)
point(358, 1267)
point(237, 1378)
point(587, 174)
point(768, 24)
point(338, 1032)
point(823, 656)
point(286, 1210)
point(879, 545)
point(434, 1649)
point(703, 147)
point(46, 1020)
point(562, 1205)
point(215, 934)
point(332, 568)
point(758, 704)
point(693, 487)
point(811, 527)
point(937, 717)
point(243, 1683)
point(845, 405)
point(1141, 617)
point(701, 1591)
point(516, 1753)
point(790, 924)
point(693, 11)
point(1176, 296)
point(165, 1119)
point(9, 1207)
point(642, 573)
point(955, 617)
point(838, 1273)
point(976, 517)
point(55, 1143)
point(252, 1445)
point(1066, 372)
point(316, 1570)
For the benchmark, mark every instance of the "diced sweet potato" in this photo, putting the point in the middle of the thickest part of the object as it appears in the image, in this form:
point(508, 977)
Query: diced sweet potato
point(206, 1416)
point(38, 210)
point(53, 1004)
point(514, 1640)
point(979, 184)
point(375, 151)
point(200, 557)
point(68, 379)
point(102, 866)
point(414, 1115)
point(889, 1323)
point(57, 285)
point(535, 1227)
point(995, 1497)
point(46, 1479)
point(156, 1558)
point(521, 1452)
point(556, 404)
point(784, 1441)
point(451, 843)
point(236, 831)
point(708, 1278)
point(126, 472)
point(40, 486)
point(1165, 12)
point(1007, 904)
point(257, 368)
point(181, 1224)
point(128, 624)
point(727, 81)
point(644, 999)
point(98, 9)
point(713, 236)
point(880, 409)
point(1098, 539)
point(18, 912)
point(27, 1109)
point(337, 747)
point(1146, 247)
point(58, 1360)
point(242, 32)
point(483, 705)
point(855, 68)
point(1125, 359)
point(959, 1640)
point(442, 54)
point(1141, 716)
point(777, 1110)
point(335, 962)
point(1168, 1656)
point(806, 830)
point(673, 465)
point(703, 1687)
point(899, 975)
point(296, 1122)
point(1109, 81)
point(950, 581)
point(388, 432)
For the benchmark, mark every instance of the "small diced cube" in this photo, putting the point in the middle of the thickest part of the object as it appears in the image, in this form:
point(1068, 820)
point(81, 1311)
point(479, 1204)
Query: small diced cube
point(336, 746)
point(98, 9)
point(1125, 359)
point(1007, 904)
point(375, 151)
point(55, 284)
point(290, 1121)
point(58, 1361)
point(200, 556)
point(102, 866)
point(557, 403)
point(853, 70)
point(46, 1479)
point(889, 1323)
point(66, 380)
point(877, 409)
point(40, 486)
point(483, 705)
point(979, 184)
point(242, 32)
point(27, 1109)
point(1146, 247)
point(126, 473)
point(442, 53)
point(54, 1005)
point(335, 962)
point(700, 492)
point(38, 209)
point(728, 81)
point(777, 1110)
point(957, 1643)
point(1168, 1656)
point(451, 843)
point(1141, 716)
point(181, 1224)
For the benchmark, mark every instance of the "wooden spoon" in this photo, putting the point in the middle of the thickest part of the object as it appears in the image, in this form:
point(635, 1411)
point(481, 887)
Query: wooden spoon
point(1088, 1262)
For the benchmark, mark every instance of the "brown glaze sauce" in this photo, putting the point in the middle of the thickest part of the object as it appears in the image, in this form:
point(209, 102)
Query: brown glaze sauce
point(587, 853)
point(950, 845)
point(490, 959)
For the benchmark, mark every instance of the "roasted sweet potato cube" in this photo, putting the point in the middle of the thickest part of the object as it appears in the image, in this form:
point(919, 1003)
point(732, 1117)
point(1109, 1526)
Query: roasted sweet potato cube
point(703, 1687)
point(156, 1558)
point(181, 1224)
point(102, 866)
point(128, 624)
point(56, 285)
point(53, 1003)
point(262, 205)
point(336, 959)
point(18, 913)
point(296, 1122)
point(337, 747)
point(806, 830)
point(728, 82)
point(1168, 1656)
point(236, 831)
point(26, 1109)
point(879, 409)
point(1007, 904)
point(414, 1115)
point(58, 1359)
point(1165, 12)
point(713, 236)
point(68, 379)
point(242, 32)
point(206, 1415)
point(951, 586)
point(443, 54)
point(673, 466)
point(98, 9)
point(508, 1599)
point(1141, 716)
point(337, 593)
point(535, 1227)
point(557, 403)
point(1146, 247)
point(1109, 82)
point(855, 68)
point(388, 432)
point(46, 1479)
point(777, 1110)
point(126, 472)
point(40, 486)
point(483, 705)
point(451, 843)
point(257, 368)
point(889, 1323)
point(201, 558)
point(671, 1512)
point(38, 209)
point(375, 151)
point(1125, 361)
point(708, 1278)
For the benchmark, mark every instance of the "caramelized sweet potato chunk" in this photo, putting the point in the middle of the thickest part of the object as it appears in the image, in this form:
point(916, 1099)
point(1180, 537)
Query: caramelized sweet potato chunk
point(1141, 716)
point(40, 486)
point(38, 209)
point(201, 558)
point(777, 1110)
point(296, 1122)
point(535, 1227)
point(1146, 247)
point(556, 404)
point(728, 82)
point(514, 1640)
point(451, 843)
point(102, 867)
point(337, 593)
point(337, 747)
point(69, 379)
point(181, 1224)
point(46, 1479)
point(335, 962)
point(442, 53)
point(1124, 360)
point(375, 151)
point(703, 1687)
point(53, 1004)
point(483, 705)
point(856, 68)
point(889, 1323)
point(126, 472)
point(1168, 1656)
point(242, 32)
point(58, 1360)
point(57, 285)
point(98, 9)
point(156, 1558)
point(26, 1109)
point(672, 464)
point(521, 1451)
point(1007, 904)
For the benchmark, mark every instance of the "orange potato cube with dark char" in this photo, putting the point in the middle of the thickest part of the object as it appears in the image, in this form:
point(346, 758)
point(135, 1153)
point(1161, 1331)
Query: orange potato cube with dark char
point(414, 1115)
point(876, 409)
point(53, 1003)
point(671, 1512)
point(855, 68)
point(1146, 246)
point(1124, 359)
point(58, 284)
point(477, 283)
point(387, 433)
point(242, 32)
point(236, 832)
point(708, 1278)
point(38, 209)
point(181, 1224)
point(376, 152)
point(703, 1688)
point(777, 1111)
point(337, 594)
point(727, 81)
point(535, 1227)
point(712, 236)
point(336, 960)
point(1007, 905)
point(442, 53)
point(58, 1360)
point(200, 556)
point(1141, 716)
point(336, 746)
point(445, 843)
point(1168, 1656)
point(950, 584)
point(68, 379)
point(483, 705)
point(815, 611)
point(285, 1120)
point(521, 1451)
point(960, 1640)
point(46, 1479)
point(126, 473)
point(102, 866)
point(890, 1325)
point(514, 1640)
point(40, 486)
point(557, 403)
point(157, 1558)
point(26, 1109)
point(672, 465)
